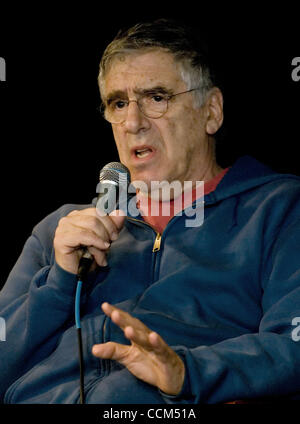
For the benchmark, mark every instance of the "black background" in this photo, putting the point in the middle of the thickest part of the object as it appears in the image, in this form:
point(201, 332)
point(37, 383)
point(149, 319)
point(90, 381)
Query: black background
point(53, 141)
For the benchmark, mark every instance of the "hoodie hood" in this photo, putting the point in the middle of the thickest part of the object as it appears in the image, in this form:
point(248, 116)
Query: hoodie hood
point(246, 174)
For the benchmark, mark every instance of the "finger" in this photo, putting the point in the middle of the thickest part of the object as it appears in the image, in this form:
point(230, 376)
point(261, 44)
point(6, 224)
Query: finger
point(118, 217)
point(139, 337)
point(113, 225)
point(133, 328)
point(148, 340)
point(92, 223)
point(72, 236)
point(158, 344)
point(86, 211)
point(117, 212)
point(121, 318)
point(99, 256)
point(155, 340)
point(114, 222)
point(110, 350)
point(105, 226)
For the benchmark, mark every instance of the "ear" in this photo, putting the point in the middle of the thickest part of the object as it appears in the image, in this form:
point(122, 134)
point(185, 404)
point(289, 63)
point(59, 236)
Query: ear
point(214, 110)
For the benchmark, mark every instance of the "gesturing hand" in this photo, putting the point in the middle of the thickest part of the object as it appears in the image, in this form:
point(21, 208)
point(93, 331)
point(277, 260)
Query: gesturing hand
point(148, 357)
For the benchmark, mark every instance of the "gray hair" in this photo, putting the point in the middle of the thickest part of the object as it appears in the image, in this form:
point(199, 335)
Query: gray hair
point(177, 39)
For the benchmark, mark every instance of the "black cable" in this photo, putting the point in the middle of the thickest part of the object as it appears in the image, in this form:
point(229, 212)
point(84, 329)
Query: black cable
point(84, 265)
point(81, 366)
point(79, 339)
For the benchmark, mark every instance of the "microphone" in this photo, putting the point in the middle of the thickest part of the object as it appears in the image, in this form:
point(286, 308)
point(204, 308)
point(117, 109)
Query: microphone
point(114, 180)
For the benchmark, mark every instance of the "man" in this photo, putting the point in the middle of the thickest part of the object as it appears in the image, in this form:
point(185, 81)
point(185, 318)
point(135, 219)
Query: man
point(188, 314)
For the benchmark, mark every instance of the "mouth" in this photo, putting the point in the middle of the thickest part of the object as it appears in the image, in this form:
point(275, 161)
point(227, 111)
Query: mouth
point(143, 152)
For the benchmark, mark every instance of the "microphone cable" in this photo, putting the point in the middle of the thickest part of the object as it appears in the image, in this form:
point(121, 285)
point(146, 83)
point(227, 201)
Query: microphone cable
point(79, 339)
point(84, 265)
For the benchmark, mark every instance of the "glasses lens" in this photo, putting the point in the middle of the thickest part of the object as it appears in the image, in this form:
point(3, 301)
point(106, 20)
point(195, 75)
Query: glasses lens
point(153, 105)
point(115, 112)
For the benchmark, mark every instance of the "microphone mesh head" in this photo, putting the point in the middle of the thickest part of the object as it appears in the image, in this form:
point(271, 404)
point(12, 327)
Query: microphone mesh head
point(115, 172)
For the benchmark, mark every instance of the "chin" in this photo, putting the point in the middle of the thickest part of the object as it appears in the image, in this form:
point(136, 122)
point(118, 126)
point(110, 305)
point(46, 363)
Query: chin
point(145, 176)
point(142, 184)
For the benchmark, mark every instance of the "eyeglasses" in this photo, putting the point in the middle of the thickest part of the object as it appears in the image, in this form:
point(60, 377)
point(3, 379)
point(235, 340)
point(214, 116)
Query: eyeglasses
point(152, 105)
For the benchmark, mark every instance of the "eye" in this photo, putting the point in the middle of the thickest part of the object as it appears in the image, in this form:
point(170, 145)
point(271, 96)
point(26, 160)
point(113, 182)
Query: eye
point(157, 98)
point(117, 104)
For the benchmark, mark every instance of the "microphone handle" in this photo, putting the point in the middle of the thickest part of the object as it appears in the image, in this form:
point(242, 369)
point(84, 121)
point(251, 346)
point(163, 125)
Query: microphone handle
point(86, 259)
point(111, 198)
point(85, 263)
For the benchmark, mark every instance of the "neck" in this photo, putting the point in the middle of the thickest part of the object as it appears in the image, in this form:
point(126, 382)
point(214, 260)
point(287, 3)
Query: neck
point(205, 167)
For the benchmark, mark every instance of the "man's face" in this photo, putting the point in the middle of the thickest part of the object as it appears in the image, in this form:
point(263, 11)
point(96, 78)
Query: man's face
point(174, 146)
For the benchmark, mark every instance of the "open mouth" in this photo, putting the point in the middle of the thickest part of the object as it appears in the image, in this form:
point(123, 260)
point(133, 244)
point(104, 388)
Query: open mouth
point(142, 153)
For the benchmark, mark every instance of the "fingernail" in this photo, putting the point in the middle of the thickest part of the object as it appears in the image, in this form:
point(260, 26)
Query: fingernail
point(95, 349)
point(114, 236)
point(106, 244)
point(104, 262)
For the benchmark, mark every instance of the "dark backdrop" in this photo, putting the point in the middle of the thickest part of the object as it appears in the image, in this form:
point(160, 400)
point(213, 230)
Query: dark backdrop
point(53, 141)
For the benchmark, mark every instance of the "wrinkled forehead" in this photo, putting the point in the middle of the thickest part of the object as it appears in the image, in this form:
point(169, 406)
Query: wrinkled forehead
point(137, 71)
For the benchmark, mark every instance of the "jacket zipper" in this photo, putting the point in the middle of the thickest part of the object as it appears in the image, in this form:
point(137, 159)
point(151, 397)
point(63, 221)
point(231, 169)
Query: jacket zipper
point(157, 243)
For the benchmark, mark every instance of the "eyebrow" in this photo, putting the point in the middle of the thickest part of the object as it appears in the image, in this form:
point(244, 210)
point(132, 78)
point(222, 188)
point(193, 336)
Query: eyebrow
point(116, 94)
point(156, 89)
point(119, 94)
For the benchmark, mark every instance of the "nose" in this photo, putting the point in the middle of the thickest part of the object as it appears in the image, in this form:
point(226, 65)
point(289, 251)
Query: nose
point(135, 120)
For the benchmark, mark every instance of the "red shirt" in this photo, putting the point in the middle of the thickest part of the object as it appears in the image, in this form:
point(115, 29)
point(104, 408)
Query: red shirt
point(159, 219)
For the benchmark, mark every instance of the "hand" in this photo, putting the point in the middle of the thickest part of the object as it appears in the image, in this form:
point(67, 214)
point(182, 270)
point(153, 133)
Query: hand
point(148, 357)
point(85, 228)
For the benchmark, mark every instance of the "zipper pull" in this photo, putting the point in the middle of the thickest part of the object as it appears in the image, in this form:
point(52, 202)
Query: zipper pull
point(156, 246)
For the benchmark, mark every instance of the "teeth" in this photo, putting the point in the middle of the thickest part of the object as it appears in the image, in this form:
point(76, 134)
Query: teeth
point(142, 152)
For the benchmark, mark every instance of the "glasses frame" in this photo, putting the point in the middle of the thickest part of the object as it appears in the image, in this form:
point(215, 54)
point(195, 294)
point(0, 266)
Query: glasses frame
point(169, 97)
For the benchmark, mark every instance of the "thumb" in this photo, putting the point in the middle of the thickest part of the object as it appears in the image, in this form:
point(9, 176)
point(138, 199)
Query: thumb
point(118, 217)
point(110, 350)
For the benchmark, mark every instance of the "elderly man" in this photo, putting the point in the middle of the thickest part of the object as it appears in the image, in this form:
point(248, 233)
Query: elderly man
point(170, 313)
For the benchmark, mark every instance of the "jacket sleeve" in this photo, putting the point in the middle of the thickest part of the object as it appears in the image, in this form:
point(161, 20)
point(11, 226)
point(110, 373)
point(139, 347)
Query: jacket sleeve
point(36, 303)
point(264, 364)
